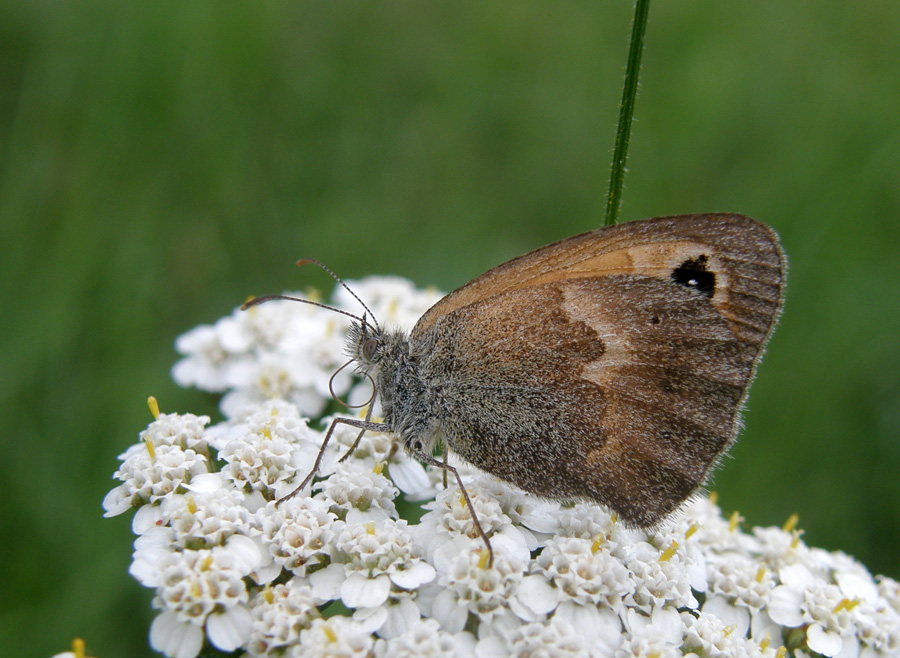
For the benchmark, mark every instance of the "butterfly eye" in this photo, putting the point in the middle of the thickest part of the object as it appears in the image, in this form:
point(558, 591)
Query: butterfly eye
point(369, 347)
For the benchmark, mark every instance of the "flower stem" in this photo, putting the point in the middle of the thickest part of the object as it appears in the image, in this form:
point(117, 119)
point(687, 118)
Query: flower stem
point(626, 110)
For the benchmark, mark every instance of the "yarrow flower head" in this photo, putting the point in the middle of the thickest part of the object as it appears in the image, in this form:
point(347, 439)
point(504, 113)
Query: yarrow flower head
point(279, 614)
point(164, 461)
point(380, 556)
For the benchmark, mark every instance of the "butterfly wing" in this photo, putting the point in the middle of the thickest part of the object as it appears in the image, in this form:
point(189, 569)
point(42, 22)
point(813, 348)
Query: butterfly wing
point(743, 256)
point(610, 366)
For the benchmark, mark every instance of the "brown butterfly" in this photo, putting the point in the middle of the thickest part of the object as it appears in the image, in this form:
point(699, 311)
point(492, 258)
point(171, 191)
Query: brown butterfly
point(607, 367)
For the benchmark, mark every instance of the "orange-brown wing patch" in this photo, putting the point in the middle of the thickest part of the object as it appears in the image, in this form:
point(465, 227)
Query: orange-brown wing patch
point(743, 254)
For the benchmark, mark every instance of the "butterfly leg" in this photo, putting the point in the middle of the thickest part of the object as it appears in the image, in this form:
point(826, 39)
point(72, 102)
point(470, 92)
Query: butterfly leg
point(428, 459)
point(362, 425)
point(358, 436)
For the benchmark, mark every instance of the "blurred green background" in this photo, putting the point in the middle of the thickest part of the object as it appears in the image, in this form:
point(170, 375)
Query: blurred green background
point(161, 162)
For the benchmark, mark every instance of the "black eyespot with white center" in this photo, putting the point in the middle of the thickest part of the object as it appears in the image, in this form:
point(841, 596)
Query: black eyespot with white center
point(693, 274)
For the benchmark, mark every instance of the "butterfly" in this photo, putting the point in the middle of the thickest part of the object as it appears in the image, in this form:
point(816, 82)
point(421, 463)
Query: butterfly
point(608, 367)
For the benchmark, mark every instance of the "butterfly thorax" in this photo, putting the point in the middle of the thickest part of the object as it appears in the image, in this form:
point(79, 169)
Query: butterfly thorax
point(386, 357)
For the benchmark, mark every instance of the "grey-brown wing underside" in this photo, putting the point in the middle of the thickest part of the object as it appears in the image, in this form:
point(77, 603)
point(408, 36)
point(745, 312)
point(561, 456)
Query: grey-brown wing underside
point(622, 388)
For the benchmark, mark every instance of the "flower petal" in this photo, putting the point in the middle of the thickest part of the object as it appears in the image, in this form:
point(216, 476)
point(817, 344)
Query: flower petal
point(718, 606)
point(822, 641)
point(370, 620)
point(538, 595)
point(449, 613)
point(231, 629)
point(358, 591)
point(401, 617)
point(117, 501)
point(857, 585)
point(177, 639)
point(784, 606)
point(326, 583)
point(409, 476)
point(246, 551)
point(418, 573)
point(796, 576)
point(146, 518)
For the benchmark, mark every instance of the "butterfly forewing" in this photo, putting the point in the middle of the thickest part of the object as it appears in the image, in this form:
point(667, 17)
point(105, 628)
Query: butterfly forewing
point(752, 265)
point(616, 361)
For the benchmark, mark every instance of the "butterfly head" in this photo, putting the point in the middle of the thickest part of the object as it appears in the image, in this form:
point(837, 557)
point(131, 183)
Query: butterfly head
point(365, 345)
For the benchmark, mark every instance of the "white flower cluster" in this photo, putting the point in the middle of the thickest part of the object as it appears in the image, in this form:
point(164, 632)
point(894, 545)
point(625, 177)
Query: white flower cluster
point(336, 571)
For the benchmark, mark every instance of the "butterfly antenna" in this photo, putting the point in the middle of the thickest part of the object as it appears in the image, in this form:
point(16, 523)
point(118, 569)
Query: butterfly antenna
point(313, 261)
point(256, 301)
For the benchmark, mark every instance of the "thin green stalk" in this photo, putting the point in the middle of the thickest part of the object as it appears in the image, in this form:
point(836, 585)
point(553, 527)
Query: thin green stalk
point(626, 111)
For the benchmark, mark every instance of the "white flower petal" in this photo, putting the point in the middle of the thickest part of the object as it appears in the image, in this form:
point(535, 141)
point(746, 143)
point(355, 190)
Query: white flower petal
point(358, 591)
point(205, 483)
point(492, 647)
point(401, 617)
point(146, 518)
point(697, 573)
point(233, 335)
point(144, 569)
point(176, 639)
point(718, 606)
point(409, 476)
point(267, 573)
point(447, 552)
point(146, 560)
point(370, 619)
point(511, 541)
point(533, 541)
point(857, 585)
point(229, 630)
point(255, 501)
point(542, 517)
point(796, 576)
point(761, 624)
point(372, 515)
point(538, 595)
point(784, 606)
point(601, 626)
point(417, 573)
point(524, 613)
point(117, 501)
point(448, 612)
point(849, 647)
point(822, 641)
point(425, 598)
point(155, 538)
point(667, 622)
point(326, 583)
point(195, 339)
point(246, 551)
